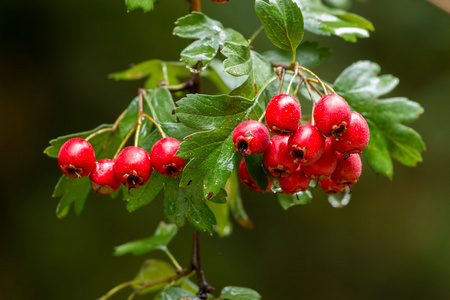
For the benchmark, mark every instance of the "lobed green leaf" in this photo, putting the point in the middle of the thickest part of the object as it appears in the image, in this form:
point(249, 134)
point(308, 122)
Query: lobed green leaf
point(137, 198)
point(308, 55)
point(239, 293)
point(146, 5)
point(255, 167)
point(72, 191)
point(153, 270)
point(300, 198)
point(176, 293)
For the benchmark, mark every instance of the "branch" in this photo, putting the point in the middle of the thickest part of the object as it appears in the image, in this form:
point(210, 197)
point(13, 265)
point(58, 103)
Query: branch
point(204, 287)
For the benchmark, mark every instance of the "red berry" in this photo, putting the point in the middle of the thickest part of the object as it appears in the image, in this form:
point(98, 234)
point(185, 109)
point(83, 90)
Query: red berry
point(102, 177)
point(247, 180)
point(76, 158)
point(283, 114)
point(251, 137)
point(348, 170)
point(332, 115)
point(133, 167)
point(356, 138)
point(306, 145)
point(330, 187)
point(277, 159)
point(163, 157)
point(294, 183)
point(325, 165)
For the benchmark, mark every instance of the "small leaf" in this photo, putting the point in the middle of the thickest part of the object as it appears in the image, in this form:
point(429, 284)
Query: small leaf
point(146, 5)
point(308, 55)
point(282, 21)
point(142, 196)
point(255, 167)
point(154, 270)
point(176, 293)
point(300, 198)
point(395, 110)
point(72, 191)
point(323, 20)
point(239, 293)
point(181, 203)
point(377, 153)
point(162, 236)
point(238, 60)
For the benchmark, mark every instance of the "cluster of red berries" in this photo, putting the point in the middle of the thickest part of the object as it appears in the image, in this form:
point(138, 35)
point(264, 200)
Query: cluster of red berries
point(132, 167)
point(327, 151)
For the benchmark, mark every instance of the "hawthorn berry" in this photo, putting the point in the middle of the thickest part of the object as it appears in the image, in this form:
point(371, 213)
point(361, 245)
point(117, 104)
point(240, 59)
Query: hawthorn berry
point(102, 177)
point(332, 115)
point(294, 183)
point(163, 157)
point(76, 158)
point(133, 167)
point(330, 187)
point(248, 181)
point(356, 138)
point(306, 145)
point(325, 165)
point(251, 137)
point(283, 114)
point(348, 170)
point(276, 157)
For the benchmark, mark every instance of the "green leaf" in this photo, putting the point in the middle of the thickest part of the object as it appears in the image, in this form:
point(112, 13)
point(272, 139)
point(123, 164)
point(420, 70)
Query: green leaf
point(176, 293)
point(309, 55)
point(324, 20)
point(153, 270)
point(361, 86)
point(239, 293)
point(72, 191)
point(146, 5)
point(255, 167)
point(209, 35)
point(300, 198)
point(142, 196)
point(235, 202)
point(238, 60)
point(224, 227)
point(175, 130)
point(282, 21)
point(161, 105)
point(156, 70)
point(377, 153)
point(159, 240)
point(221, 79)
point(181, 203)
point(211, 153)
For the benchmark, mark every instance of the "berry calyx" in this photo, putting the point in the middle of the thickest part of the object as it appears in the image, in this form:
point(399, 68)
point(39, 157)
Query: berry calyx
point(294, 183)
point(356, 138)
point(283, 114)
point(251, 137)
point(102, 177)
point(348, 170)
point(133, 167)
point(306, 145)
point(76, 158)
point(163, 157)
point(248, 181)
point(325, 165)
point(276, 157)
point(330, 187)
point(332, 115)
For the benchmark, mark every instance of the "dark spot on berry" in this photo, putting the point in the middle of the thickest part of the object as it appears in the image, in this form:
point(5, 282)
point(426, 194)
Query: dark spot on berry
point(172, 170)
point(74, 171)
point(133, 180)
point(242, 146)
point(298, 153)
point(338, 130)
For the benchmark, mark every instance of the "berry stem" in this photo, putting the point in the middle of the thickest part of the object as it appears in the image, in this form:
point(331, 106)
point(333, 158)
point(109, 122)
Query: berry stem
point(292, 79)
point(163, 135)
point(298, 87)
point(100, 131)
point(125, 141)
point(315, 76)
point(283, 73)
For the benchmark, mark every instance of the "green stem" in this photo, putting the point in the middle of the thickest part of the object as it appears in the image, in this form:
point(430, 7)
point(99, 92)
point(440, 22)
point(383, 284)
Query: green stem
point(172, 258)
point(255, 34)
point(117, 288)
point(99, 132)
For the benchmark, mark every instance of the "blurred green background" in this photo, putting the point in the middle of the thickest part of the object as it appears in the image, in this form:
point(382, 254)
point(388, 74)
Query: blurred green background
point(391, 242)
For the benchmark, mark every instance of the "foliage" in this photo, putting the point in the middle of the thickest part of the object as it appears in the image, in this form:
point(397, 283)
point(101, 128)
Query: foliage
point(206, 193)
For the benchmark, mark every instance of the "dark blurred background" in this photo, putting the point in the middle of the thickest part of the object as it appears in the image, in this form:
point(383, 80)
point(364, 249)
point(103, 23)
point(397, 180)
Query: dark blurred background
point(391, 242)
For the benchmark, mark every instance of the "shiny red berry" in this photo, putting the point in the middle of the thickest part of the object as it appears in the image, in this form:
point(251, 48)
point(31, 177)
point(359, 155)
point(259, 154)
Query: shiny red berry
point(248, 181)
point(332, 115)
point(163, 157)
point(325, 165)
point(348, 170)
point(251, 137)
point(277, 159)
point(283, 114)
point(356, 138)
point(102, 177)
point(294, 183)
point(133, 167)
point(330, 187)
point(306, 145)
point(76, 158)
